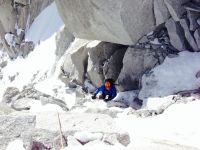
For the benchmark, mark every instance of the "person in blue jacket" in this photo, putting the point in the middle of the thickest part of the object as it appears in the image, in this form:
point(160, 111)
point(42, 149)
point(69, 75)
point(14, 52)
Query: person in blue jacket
point(106, 91)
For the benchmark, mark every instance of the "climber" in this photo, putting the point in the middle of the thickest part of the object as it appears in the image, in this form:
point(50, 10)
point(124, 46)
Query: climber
point(106, 91)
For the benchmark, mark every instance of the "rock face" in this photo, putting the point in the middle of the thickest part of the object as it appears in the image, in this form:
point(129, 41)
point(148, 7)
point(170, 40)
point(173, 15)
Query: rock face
point(80, 60)
point(63, 40)
point(74, 66)
point(161, 12)
point(197, 37)
point(113, 67)
point(136, 63)
point(16, 18)
point(112, 21)
point(176, 34)
point(185, 24)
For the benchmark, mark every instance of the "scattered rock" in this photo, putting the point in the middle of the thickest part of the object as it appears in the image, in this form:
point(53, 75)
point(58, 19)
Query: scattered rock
point(193, 16)
point(3, 64)
point(176, 35)
point(9, 94)
point(124, 139)
point(26, 48)
point(22, 104)
point(185, 24)
point(147, 113)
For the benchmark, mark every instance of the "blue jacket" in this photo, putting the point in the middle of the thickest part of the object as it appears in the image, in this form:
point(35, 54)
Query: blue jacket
point(112, 92)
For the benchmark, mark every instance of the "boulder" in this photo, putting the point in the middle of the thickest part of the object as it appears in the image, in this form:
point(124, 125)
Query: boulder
point(68, 68)
point(22, 104)
point(112, 21)
point(175, 8)
point(197, 37)
point(185, 25)
point(9, 94)
point(80, 61)
point(101, 56)
point(135, 63)
point(26, 48)
point(161, 12)
point(63, 41)
point(8, 18)
point(113, 66)
point(176, 35)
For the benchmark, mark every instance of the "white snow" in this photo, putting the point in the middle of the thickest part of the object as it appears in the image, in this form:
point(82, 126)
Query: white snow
point(175, 74)
point(93, 44)
point(10, 39)
point(155, 41)
point(178, 125)
point(18, 29)
point(15, 145)
point(45, 25)
point(36, 106)
point(87, 136)
point(38, 62)
point(97, 146)
point(126, 97)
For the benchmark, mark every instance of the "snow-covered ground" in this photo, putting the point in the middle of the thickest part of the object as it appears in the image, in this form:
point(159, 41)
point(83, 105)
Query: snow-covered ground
point(174, 75)
point(177, 128)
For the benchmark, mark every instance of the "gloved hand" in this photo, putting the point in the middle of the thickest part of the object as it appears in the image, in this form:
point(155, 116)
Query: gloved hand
point(93, 96)
point(107, 98)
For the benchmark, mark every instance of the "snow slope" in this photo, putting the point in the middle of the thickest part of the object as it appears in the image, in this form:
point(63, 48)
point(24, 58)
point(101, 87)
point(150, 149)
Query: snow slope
point(178, 127)
point(174, 75)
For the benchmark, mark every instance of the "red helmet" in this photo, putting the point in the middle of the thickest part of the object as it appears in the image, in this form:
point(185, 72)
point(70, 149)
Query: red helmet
point(107, 84)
